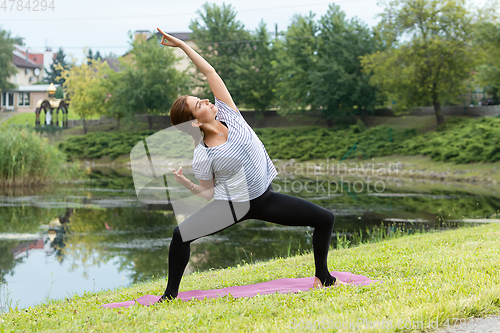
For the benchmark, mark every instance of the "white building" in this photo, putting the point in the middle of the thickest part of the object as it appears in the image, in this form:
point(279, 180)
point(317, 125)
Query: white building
point(30, 71)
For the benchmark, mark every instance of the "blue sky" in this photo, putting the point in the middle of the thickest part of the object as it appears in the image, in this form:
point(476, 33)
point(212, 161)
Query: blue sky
point(103, 25)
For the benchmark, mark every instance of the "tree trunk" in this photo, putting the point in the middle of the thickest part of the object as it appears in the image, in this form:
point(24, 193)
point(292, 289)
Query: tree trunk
point(150, 121)
point(118, 125)
point(84, 127)
point(439, 116)
point(365, 114)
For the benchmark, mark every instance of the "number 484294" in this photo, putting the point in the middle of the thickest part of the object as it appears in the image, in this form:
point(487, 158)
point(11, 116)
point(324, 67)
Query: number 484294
point(27, 5)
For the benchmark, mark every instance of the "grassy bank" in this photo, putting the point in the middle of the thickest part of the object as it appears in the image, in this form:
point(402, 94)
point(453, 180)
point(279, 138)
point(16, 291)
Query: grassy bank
point(445, 154)
point(426, 277)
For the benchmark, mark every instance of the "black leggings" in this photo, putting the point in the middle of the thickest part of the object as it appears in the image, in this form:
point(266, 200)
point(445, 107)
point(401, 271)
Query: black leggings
point(271, 207)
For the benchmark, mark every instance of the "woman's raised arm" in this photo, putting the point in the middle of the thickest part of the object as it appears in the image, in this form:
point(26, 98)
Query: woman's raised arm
point(216, 84)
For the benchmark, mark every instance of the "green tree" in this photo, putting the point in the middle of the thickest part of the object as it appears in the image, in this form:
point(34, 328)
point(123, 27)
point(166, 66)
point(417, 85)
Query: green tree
point(149, 83)
point(53, 73)
point(488, 42)
point(85, 87)
point(111, 55)
point(218, 36)
point(116, 99)
point(90, 55)
point(6, 56)
point(254, 74)
point(19, 41)
point(296, 59)
point(434, 64)
point(341, 88)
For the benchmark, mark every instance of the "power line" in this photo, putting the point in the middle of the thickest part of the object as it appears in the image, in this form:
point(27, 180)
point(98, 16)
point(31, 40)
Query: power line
point(171, 15)
point(215, 42)
point(168, 15)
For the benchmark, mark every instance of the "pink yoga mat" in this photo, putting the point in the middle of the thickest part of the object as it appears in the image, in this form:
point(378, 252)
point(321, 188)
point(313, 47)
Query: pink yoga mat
point(282, 286)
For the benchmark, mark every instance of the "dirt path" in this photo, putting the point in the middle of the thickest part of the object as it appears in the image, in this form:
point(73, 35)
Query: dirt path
point(4, 115)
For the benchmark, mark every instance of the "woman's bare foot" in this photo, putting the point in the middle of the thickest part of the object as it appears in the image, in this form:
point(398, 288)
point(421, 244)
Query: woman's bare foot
point(317, 283)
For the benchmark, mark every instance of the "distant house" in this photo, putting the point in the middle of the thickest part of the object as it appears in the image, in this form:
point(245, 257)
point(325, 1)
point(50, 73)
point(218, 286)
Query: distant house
point(30, 70)
point(45, 59)
point(114, 64)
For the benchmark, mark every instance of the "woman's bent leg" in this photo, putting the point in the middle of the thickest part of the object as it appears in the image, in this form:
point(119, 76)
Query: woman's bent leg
point(209, 220)
point(292, 211)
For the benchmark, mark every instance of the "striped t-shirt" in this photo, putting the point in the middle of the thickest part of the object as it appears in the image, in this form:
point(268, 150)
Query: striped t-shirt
point(241, 166)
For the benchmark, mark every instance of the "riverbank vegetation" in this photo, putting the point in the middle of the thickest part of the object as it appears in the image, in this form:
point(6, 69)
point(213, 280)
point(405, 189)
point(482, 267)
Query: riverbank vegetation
point(425, 283)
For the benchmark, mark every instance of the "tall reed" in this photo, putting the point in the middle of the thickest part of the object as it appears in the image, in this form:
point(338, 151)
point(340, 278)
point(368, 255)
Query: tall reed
point(26, 158)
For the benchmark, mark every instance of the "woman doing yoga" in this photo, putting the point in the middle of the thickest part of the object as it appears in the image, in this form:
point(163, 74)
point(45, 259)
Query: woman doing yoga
point(233, 168)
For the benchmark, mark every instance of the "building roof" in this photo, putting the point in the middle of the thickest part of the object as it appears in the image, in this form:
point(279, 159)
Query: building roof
point(37, 58)
point(35, 87)
point(114, 64)
point(184, 36)
point(19, 60)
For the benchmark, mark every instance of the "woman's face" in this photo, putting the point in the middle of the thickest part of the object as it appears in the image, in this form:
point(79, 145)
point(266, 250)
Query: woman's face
point(202, 109)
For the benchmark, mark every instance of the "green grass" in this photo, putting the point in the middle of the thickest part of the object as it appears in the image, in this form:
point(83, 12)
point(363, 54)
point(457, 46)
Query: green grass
point(20, 119)
point(426, 277)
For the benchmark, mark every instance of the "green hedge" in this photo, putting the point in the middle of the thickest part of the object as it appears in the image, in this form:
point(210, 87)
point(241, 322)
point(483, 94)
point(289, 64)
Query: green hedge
point(459, 140)
point(324, 143)
point(99, 144)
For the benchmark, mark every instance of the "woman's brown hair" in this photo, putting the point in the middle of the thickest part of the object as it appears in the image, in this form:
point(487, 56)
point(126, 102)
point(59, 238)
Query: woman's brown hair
point(180, 113)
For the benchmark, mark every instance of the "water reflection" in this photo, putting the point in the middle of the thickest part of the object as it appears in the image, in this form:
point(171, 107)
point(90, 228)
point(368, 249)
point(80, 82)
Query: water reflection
point(95, 234)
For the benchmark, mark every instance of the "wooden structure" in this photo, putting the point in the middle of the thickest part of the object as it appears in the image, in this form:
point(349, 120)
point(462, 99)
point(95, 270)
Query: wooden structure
point(51, 104)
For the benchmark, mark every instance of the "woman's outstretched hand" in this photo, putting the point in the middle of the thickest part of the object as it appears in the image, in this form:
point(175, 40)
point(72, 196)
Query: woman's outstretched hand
point(180, 178)
point(171, 41)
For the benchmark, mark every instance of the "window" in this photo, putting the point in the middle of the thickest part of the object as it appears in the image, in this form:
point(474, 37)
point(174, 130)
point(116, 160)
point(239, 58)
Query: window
point(7, 100)
point(23, 99)
point(26, 71)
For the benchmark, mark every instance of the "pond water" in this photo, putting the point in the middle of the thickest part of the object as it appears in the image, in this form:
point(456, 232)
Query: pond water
point(94, 234)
